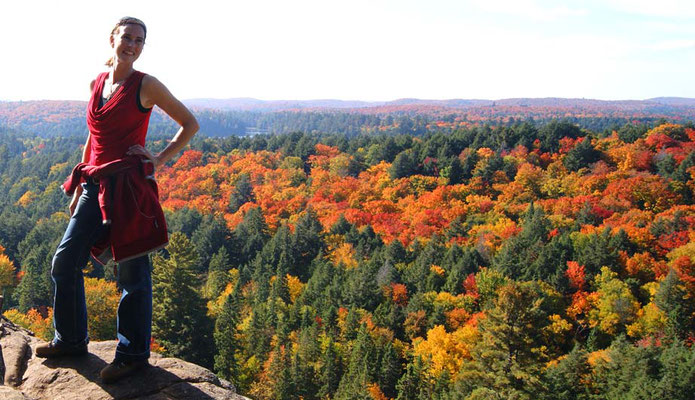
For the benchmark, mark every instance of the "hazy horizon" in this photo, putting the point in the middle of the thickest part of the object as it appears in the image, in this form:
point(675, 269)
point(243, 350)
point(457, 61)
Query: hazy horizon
point(250, 98)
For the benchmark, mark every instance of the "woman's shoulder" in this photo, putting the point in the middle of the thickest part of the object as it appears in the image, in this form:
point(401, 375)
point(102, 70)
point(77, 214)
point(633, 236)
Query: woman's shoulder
point(151, 85)
point(151, 90)
point(149, 80)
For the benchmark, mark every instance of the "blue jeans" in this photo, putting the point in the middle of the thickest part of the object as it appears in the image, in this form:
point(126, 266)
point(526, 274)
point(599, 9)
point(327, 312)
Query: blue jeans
point(134, 278)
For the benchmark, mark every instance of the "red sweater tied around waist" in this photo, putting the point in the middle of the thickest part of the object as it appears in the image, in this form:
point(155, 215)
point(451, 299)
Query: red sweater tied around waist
point(129, 203)
point(128, 194)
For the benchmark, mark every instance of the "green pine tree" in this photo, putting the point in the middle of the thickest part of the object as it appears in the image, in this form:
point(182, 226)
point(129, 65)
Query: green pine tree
point(330, 371)
point(389, 371)
point(242, 193)
point(226, 338)
point(179, 320)
point(413, 385)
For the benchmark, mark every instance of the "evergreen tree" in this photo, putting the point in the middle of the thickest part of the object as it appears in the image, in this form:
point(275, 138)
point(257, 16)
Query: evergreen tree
point(279, 289)
point(276, 255)
point(279, 373)
point(36, 252)
point(354, 382)
point(302, 379)
point(242, 193)
point(629, 133)
point(360, 289)
point(250, 235)
point(220, 261)
point(665, 165)
point(389, 371)
point(416, 274)
point(330, 372)
point(507, 358)
point(313, 293)
point(677, 362)
point(185, 220)
point(518, 253)
point(211, 235)
point(597, 250)
point(341, 226)
point(258, 337)
point(307, 242)
point(404, 165)
point(469, 164)
point(366, 241)
point(551, 133)
point(307, 354)
point(672, 298)
point(551, 262)
point(395, 252)
point(179, 320)
point(456, 172)
point(467, 263)
point(637, 372)
point(624, 371)
point(413, 385)
point(218, 275)
point(681, 173)
point(581, 155)
point(567, 380)
point(226, 338)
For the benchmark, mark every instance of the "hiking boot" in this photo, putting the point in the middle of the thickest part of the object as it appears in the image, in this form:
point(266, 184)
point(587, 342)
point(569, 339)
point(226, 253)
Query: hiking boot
point(55, 349)
point(121, 369)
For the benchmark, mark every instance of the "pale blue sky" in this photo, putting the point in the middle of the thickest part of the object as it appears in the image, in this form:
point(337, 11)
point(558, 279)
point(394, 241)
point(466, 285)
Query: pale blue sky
point(361, 49)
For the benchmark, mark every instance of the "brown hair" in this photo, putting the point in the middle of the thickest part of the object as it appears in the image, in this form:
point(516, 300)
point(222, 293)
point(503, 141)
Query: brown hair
point(122, 22)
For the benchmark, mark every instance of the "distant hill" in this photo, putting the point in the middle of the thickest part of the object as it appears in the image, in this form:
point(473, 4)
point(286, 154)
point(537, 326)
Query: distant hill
point(674, 101)
point(251, 104)
point(240, 116)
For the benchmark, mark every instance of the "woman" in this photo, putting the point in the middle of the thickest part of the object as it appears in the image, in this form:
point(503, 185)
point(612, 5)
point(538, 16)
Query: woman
point(115, 210)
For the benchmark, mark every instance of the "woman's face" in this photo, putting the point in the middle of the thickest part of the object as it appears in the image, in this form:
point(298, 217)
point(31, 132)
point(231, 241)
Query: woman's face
point(127, 42)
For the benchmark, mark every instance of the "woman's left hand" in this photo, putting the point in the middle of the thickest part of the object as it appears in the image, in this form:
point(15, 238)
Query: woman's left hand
point(137, 150)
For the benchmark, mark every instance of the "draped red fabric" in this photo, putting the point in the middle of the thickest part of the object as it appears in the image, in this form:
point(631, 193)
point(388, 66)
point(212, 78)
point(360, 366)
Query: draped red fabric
point(129, 203)
point(128, 193)
point(120, 123)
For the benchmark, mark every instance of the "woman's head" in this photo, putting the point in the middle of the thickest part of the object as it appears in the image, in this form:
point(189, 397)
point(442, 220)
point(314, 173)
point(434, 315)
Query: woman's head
point(119, 29)
point(127, 21)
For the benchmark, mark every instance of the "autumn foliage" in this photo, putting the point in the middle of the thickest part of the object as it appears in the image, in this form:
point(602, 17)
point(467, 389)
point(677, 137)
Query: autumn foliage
point(494, 261)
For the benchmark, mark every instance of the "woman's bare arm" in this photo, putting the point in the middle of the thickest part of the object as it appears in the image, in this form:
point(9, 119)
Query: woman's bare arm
point(154, 93)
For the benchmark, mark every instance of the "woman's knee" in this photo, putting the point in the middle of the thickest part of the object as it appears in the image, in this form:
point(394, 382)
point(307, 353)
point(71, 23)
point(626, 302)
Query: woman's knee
point(60, 266)
point(135, 274)
point(65, 262)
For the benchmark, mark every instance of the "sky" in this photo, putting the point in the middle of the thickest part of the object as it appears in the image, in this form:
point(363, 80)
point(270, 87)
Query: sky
point(374, 50)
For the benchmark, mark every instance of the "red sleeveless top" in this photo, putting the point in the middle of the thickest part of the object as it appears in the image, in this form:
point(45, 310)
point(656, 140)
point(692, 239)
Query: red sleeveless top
point(120, 123)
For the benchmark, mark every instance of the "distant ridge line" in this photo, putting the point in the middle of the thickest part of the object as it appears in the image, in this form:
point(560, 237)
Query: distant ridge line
point(252, 104)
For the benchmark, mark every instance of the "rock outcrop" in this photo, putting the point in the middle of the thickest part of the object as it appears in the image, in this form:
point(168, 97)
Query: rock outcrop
point(30, 378)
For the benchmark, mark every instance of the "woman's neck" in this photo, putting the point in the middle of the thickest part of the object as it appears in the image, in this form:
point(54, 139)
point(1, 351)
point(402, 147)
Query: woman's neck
point(120, 72)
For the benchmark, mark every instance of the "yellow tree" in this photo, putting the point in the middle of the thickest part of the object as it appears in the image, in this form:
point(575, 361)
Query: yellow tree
point(444, 350)
point(7, 271)
point(102, 302)
point(614, 306)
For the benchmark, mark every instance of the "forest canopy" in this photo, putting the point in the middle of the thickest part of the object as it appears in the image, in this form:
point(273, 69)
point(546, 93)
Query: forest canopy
point(518, 260)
